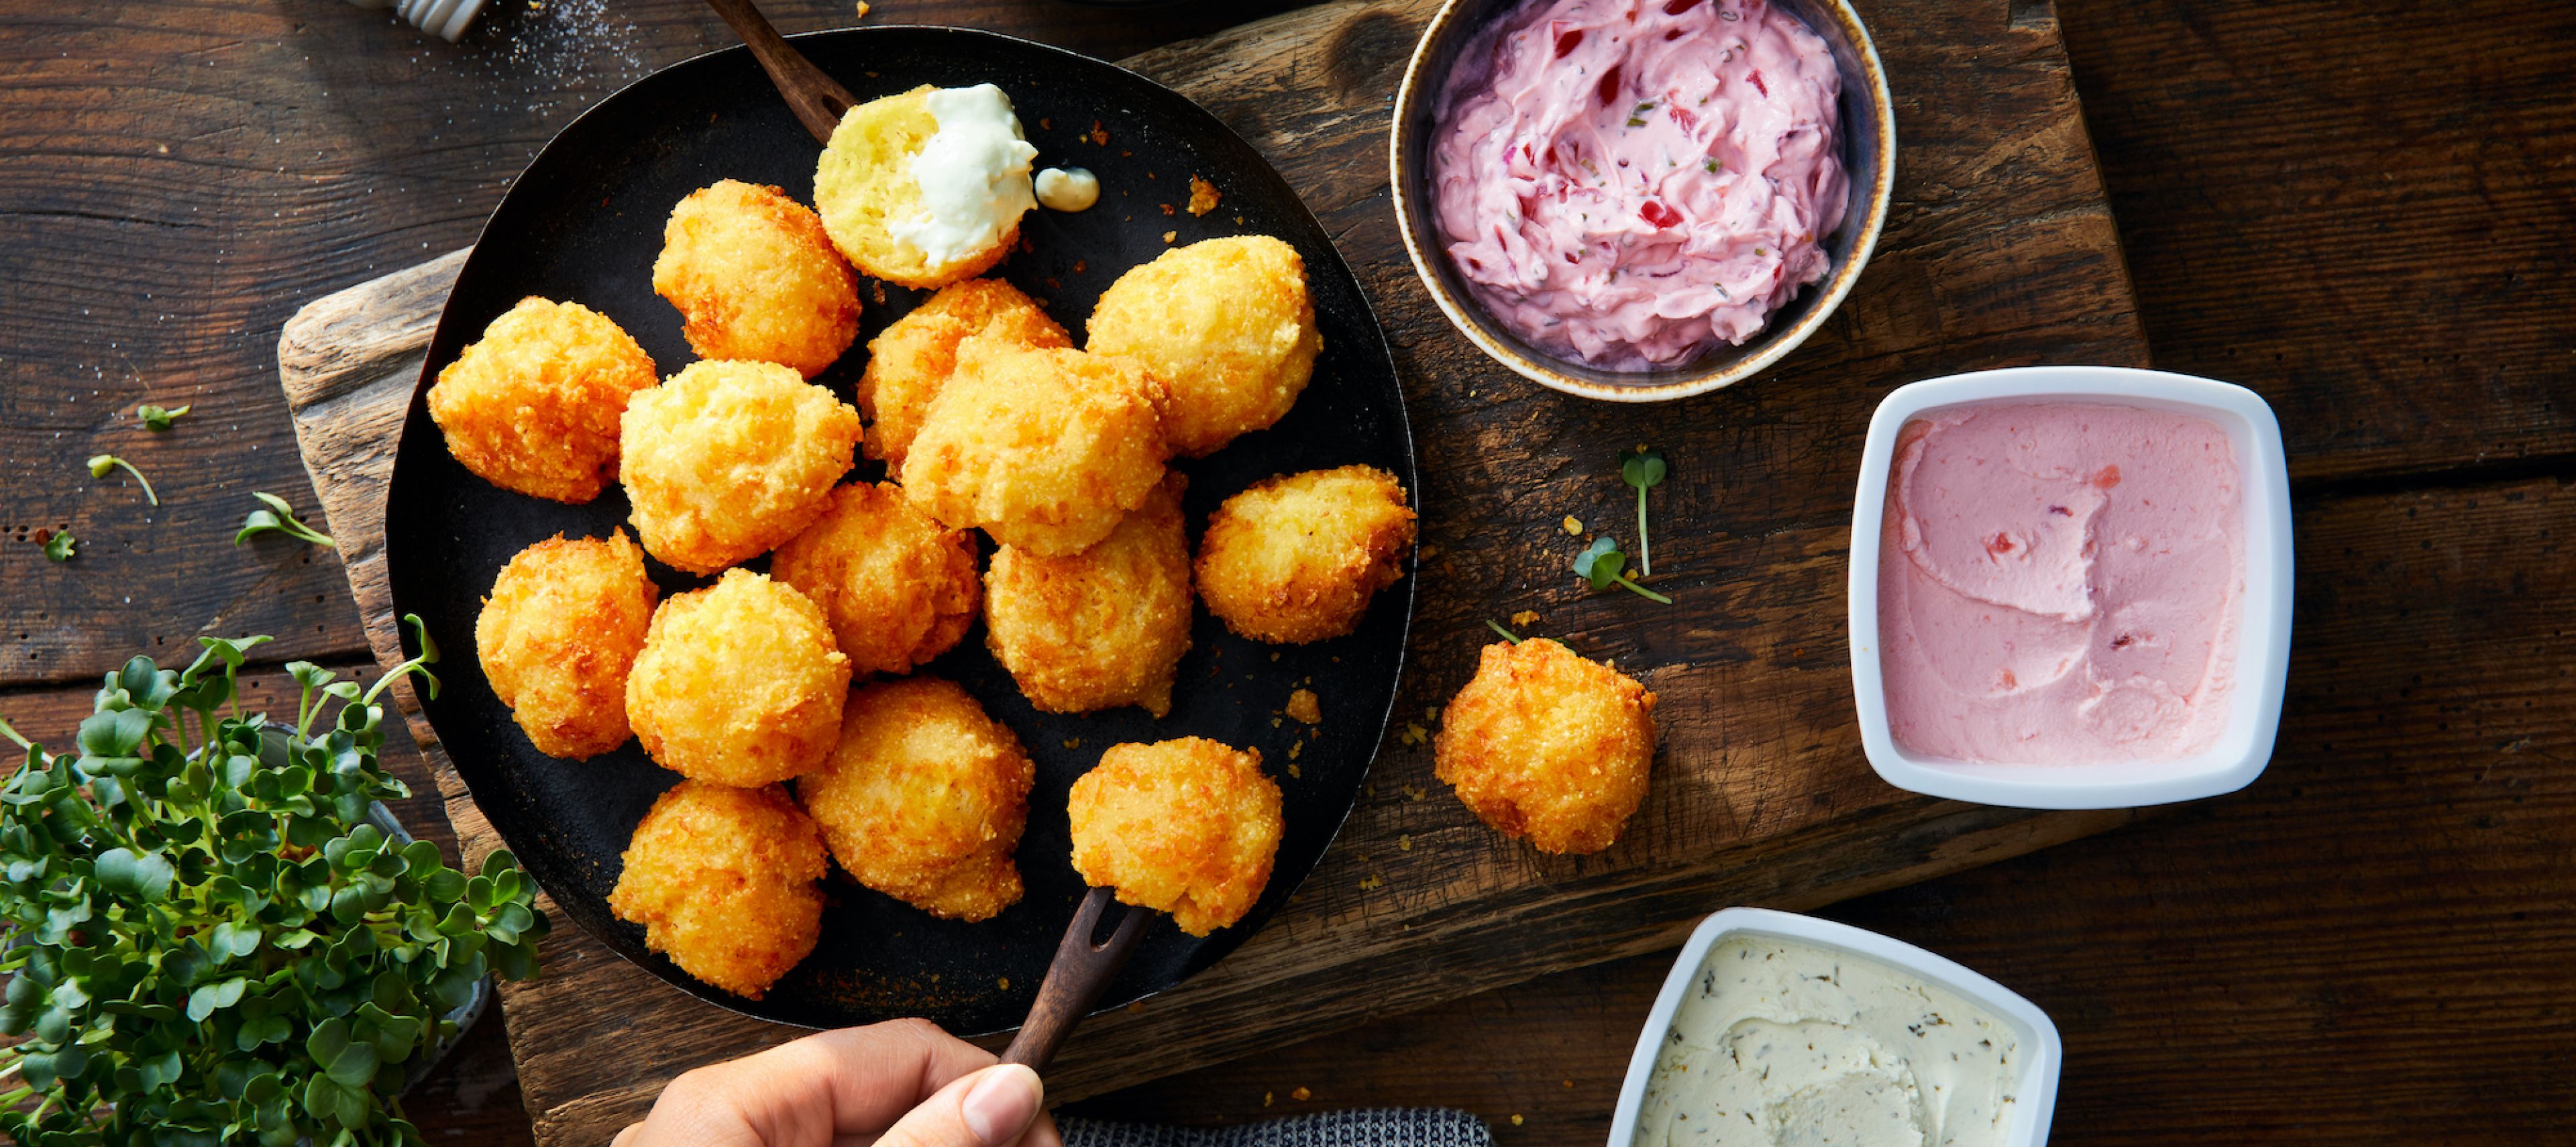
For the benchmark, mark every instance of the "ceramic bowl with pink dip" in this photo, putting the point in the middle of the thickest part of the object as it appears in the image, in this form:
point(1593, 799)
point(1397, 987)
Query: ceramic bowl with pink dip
point(2070, 587)
point(1641, 200)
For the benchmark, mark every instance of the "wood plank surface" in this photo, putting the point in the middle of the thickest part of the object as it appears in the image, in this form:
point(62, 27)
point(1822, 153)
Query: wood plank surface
point(1762, 797)
point(2427, 319)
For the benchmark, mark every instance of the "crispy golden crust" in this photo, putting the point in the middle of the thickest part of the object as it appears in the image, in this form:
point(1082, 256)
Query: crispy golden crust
point(1548, 745)
point(533, 405)
point(563, 623)
point(723, 881)
point(730, 458)
point(755, 277)
point(898, 588)
point(1296, 558)
point(1188, 827)
point(1101, 628)
point(1043, 449)
point(864, 179)
point(739, 683)
point(1225, 324)
point(924, 798)
point(912, 359)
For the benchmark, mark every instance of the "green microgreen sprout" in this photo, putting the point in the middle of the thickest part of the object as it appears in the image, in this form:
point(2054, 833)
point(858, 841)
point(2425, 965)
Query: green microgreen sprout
point(278, 517)
point(100, 464)
point(1643, 469)
point(158, 418)
point(1604, 566)
point(58, 545)
point(1497, 627)
point(211, 938)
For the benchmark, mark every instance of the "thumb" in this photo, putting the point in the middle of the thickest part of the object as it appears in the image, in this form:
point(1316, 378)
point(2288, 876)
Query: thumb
point(989, 1108)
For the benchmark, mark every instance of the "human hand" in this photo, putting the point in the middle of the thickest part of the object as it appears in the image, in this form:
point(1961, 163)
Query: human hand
point(899, 1084)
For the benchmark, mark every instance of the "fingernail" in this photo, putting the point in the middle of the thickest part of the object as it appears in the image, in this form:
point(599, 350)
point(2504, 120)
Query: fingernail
point(1003, 1103)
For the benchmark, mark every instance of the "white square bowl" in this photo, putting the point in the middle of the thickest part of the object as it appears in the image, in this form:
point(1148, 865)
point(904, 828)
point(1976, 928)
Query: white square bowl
point(2035, 1095)
point(2263, 631)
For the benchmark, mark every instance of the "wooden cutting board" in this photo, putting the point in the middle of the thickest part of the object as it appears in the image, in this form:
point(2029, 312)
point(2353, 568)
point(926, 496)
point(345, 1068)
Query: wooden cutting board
point(2000, 251)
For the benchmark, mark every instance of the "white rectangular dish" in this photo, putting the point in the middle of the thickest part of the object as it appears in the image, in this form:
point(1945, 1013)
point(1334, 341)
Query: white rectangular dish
point(2034, 1094)
point(2244, 746)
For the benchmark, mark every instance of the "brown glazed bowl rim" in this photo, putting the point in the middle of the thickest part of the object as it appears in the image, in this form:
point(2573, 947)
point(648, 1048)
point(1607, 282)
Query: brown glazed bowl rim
point(1423, 79)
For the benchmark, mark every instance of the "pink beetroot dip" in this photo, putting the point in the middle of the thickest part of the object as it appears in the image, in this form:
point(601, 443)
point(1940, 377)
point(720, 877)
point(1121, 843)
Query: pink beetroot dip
point(1630, 184)
point(2060, 583)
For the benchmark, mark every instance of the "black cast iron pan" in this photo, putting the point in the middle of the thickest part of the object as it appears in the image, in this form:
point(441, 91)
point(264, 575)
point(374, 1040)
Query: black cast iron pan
point(584, 223)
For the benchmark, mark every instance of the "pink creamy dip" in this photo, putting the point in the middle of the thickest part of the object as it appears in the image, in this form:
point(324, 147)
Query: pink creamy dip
point(1632, 183)
point(2060, 583)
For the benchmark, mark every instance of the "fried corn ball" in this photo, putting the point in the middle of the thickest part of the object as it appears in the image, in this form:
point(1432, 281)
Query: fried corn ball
point(562, 626)
point(899, 589)
point(1549, 745)
point(1101, 628)
point(728, 459)
point(1296, 558)
point(755, 277)
point(723, 881)
point(1188, 827)
point(739, 683)
point(1043, 449)
point(1228, 328)
point(924, 798)
point(913, 357)
point(894, 227)
point(532, 406)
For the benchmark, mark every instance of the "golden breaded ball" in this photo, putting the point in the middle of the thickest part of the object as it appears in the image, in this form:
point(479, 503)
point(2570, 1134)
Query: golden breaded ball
point(723, 881)
point(865, 189)
point(913, 357)
point(728, 459)
point(1228, 328)
point(1188, 827)
point(1043, 449)
point(924, 798)
point(739, 683)
point(1545, 744)
point(532, 406)
point(562, 626)
point(1101, 628)
point(898, 588)
point(755, 277)
point(1296, 558)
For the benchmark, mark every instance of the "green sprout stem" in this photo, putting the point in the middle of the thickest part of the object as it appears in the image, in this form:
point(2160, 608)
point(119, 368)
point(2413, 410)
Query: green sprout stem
point(1497, 627)
point(11, 731)
point(100, 464)
point(1645, 549)
point(1630, 581)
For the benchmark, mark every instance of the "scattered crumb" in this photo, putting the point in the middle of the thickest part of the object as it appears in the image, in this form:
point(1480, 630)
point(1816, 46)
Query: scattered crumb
point(1293, 772)
point(540, 6)
point(1305, 706)
point(1099, 134)
point(863, 9)
point(1073, 742)
point(1301, 1095)
point(1274, 655)
point(1203, 196)
point(1293, 747)
point(1238, 221)
point(1573, 525)
point(1431, 713)
point(1274, 722)
point(1045, 124)
point(1569, 1085)
point(1525, 617)
point(1006, 980)
point(1516, 1120)
point(1168, 235)
point(1404, 843)
point(877, 289)
point(1413, 794)
point(1138, 1006)
point(1267, 1098)
point(1078, 266)
point(1413, 734)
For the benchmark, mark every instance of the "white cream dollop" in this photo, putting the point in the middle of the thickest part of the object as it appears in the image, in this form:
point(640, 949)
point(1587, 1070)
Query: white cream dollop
point(1068, 188)
point(1787, 1044)
point(973, 175)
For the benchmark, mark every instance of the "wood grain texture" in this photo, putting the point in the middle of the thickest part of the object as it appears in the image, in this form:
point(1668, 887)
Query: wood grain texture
point(1762, 795)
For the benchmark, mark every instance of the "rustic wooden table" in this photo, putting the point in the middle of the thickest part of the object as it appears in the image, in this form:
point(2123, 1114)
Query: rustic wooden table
point(2358, 211)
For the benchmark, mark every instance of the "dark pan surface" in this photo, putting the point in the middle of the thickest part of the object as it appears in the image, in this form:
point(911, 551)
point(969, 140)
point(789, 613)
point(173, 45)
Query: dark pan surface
point(584, 223)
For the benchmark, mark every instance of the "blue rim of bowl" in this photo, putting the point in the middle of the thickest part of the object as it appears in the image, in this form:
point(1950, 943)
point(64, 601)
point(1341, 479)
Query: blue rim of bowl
point(1468, 317)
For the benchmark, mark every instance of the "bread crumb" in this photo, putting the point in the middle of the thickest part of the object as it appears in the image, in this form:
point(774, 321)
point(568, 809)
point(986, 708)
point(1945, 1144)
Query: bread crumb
point(1266, 1098)
point(1413, 734)
point(1203, 196)
point(1573, 525)
point(1305, 706)
point(1167, 235)
point(1293, 746)
point(1167, 208)
point(1525, 617)
point(1516, 1120)
point(1371, 883)
point(1293, 773)
point(863, 9)
point(1099, 135)
point(1404, 843)
point(1006, 983)
point(1301, 1095)
point(1569, 1085)
point(1137, 1006)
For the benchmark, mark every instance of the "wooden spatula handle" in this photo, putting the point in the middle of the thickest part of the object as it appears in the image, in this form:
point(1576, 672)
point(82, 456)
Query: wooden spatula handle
point(1075, 980)
point(817, 99)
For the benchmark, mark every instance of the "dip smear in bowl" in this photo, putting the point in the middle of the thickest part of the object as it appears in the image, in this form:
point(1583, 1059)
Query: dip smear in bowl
point(1630, 184)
